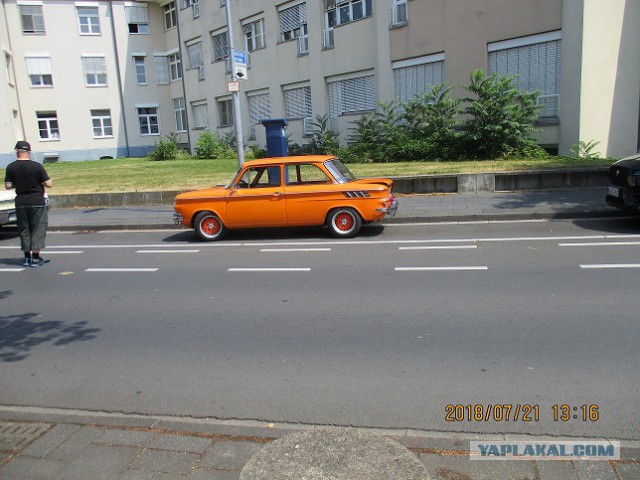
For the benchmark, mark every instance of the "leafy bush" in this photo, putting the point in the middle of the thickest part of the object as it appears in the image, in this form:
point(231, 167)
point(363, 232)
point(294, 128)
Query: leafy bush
point(585, 150)
point(256, 152)
point(212, 146)
point(500, 117)
point(167, 149)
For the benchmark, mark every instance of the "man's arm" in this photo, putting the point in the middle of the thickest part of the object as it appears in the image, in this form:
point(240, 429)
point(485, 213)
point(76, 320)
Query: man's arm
point(8, 185)
point(47, 183)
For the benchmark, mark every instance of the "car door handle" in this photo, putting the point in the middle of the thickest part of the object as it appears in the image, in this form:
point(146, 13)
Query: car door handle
point(277, 194)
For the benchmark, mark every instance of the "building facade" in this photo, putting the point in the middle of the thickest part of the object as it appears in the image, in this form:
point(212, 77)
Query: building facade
point(99, 79)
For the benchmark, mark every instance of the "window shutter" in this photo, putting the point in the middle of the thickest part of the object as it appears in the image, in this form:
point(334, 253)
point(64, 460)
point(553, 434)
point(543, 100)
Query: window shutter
point(194, 52)
point(352, 95)
point(297, 102)
point(293, 17)
point(94, 65)
point(162, 70)
point(417, 79)
point(537, 67)
point(137, 14)
point(39, 65)
point(259, 108)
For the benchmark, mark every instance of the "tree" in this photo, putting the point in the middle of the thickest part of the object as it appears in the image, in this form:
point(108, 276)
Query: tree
point(500, 117)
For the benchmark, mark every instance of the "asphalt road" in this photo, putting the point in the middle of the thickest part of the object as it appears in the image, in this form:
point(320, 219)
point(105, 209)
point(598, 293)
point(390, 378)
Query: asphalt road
point(292, 326)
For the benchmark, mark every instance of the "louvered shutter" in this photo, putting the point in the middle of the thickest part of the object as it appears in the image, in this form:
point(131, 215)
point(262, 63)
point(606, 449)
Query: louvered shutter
point(417, 79)
point(162, 70)
point(137, 14)
point(39, 65)
point(537, 67)
point(297, 103)
point(259, 108)
point(293, 17)
point(194, 54)
point(352, 95)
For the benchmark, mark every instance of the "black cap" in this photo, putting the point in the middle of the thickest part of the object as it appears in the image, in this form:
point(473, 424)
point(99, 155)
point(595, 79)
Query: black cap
point(22, 145)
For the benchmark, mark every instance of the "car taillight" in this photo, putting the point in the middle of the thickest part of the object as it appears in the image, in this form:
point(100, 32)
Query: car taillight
point(390, 200)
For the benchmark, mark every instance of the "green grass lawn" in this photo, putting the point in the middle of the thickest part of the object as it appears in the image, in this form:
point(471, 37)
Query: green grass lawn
point(144, 175)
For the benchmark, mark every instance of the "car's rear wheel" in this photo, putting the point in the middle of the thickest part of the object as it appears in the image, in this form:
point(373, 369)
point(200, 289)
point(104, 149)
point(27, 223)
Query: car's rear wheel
point(344, 222)
point(209, 227)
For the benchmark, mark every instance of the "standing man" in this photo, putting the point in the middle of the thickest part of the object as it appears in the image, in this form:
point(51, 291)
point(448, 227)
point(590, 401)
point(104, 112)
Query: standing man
point(29, 178)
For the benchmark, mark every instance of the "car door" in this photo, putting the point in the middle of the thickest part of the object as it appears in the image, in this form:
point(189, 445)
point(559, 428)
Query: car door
point(308, 192)
point(256, 199)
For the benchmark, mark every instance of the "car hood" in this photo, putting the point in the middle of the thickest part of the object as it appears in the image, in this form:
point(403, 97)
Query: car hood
point(7, 195)
point(214, 192)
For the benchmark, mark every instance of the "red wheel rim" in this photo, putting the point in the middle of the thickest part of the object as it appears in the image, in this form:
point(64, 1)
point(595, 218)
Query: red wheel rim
point(344, 221)
point(211, 226)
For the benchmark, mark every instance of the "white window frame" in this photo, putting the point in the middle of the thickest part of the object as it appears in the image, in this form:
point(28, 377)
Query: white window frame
point(200, 113)
point(175, 66)
point(140, 67)
point(216, 51)
point(148, 117)
point(137, 15)
point(225, 113)
point(48, 120)
point(8, 59)
point(254, 35)
point(399, 13)
point(34, 12)
point(99, 75)
point(194, 55)
point(101, 121)
point(291, 29)
point(180, 111)
point(170, 15)
point(342, 7)
point(92, 27)
point(38, 68)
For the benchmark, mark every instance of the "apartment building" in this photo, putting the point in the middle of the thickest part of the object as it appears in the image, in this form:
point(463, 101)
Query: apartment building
point(98, 79)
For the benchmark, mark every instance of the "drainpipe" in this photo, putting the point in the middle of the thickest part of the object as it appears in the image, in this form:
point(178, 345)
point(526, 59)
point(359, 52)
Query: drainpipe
point(184, 88)
point(118, 74)
point(13, 67)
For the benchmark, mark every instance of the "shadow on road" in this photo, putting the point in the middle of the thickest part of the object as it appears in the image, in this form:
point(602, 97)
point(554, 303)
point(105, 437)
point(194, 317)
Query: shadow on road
point(20, 334)
point(294, 234)
point(624, 225)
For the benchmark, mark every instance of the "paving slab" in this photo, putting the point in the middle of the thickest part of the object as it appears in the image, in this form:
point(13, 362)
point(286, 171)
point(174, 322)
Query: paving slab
point(180, 443)
point(225, 455)
point(165, 461)
point(460, 467)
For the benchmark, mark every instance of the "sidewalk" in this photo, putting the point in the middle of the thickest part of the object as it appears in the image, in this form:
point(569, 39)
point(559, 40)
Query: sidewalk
point(70, 445)
point(412, 208)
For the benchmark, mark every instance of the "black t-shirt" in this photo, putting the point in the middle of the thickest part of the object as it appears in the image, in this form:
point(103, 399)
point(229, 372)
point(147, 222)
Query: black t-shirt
point(27, 177)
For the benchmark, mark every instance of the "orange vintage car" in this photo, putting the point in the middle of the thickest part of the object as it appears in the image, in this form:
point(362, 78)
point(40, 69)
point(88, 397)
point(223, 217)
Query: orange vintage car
point(287, 192)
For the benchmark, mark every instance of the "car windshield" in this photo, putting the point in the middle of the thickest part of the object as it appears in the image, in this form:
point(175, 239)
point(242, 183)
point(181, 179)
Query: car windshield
point(339, 171)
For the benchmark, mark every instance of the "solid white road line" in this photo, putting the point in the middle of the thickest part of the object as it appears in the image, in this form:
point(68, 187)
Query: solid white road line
point(139, 270)
point(439, 269)
point(67, 252)
point(167, 251)
point(599, 244)
point(11, 269)
point(611, 265)
point(274, 250)
point(269, 270)
point(440, 247)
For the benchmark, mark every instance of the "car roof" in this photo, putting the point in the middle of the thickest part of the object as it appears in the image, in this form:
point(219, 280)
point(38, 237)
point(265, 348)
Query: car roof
point(287, 160)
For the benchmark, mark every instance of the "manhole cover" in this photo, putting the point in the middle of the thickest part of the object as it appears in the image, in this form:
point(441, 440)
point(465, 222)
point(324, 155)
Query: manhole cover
point(15, 436)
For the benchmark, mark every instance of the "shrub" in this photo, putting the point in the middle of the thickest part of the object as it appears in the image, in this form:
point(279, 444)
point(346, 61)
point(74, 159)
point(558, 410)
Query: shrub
point(212, 146)
point(500, 117)
point(167, 149)
point(585, 150)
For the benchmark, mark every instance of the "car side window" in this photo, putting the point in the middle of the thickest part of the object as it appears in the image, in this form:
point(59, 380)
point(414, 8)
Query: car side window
point(305, 173)
point(260, 177)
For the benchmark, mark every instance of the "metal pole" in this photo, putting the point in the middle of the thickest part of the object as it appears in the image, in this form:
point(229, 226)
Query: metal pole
point(235, 95)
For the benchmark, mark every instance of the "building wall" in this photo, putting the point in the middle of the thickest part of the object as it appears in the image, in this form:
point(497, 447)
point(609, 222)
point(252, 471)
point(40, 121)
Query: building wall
point(599, 94)
point(602, 75)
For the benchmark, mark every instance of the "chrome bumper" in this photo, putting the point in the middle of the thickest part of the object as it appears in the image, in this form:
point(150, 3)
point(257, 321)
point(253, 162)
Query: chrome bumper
point(391, 210)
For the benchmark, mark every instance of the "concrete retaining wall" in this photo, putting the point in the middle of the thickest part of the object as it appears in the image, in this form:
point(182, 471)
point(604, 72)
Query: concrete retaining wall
point(462, 183)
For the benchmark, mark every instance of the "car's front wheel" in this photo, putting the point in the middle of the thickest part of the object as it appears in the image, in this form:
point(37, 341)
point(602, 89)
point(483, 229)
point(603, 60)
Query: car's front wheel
point(344, 222)
point(208, 226)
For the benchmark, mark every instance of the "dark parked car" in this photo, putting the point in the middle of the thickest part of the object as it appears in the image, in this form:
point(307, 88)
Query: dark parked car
point(624, 184)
